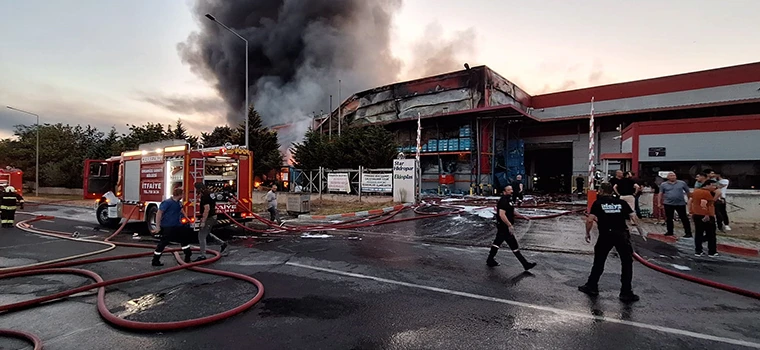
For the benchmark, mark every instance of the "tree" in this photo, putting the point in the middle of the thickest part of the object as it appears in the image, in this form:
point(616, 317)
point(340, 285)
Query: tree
point(263, 144)
point(150, 132)
point(313, 152)
point(370, 147)
point(219, 136)
point(180, 133)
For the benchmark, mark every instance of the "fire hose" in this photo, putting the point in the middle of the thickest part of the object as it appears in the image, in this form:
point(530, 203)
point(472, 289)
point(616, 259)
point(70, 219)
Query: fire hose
point(459, 210)
point(62, 266)
point(702, 281)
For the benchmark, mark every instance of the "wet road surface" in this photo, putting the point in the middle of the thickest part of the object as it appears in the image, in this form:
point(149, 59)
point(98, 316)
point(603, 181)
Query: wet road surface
point(375, 293)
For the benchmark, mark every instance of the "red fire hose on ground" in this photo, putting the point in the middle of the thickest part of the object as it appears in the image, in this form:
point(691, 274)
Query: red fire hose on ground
point(694, 279)
point(62, 266)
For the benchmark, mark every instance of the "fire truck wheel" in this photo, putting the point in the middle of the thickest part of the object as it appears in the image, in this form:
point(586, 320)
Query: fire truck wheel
point(103, 220)
point(150, 217)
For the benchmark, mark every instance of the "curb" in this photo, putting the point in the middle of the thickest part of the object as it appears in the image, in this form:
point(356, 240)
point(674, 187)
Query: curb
point(723, 248)
point(61, 204)
point(356, 214)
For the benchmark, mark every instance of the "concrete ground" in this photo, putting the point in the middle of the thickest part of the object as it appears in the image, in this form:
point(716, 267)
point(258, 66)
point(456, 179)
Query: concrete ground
point(395, 288)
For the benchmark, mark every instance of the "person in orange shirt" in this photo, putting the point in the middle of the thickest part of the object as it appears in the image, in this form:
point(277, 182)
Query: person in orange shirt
point(703, 213)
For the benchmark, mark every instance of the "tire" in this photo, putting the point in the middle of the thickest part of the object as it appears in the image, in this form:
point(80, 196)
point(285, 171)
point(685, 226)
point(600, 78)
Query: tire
point(150, 219)
point(103, 219)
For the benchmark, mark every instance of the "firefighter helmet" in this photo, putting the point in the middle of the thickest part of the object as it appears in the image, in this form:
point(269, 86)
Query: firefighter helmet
point(10, 189)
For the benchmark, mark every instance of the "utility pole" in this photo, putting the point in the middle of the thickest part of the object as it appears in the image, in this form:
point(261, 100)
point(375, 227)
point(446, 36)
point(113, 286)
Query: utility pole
point(329, 128)
point(340, 105)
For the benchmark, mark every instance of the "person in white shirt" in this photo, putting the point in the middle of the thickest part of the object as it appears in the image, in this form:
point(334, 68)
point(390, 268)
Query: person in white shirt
point(271, 199)
point(721, 210)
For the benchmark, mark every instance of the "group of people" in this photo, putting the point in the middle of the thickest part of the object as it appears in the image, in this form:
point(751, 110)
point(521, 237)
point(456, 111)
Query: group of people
point(608, 212)
point(172, 228)
point(706, 205)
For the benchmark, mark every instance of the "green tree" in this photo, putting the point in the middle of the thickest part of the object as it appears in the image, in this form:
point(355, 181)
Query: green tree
point(315, 151)
point(219, 136)
point(180, 133)
point(62, 152)
point(263, 144)
point(370, 147)
point(150, 132)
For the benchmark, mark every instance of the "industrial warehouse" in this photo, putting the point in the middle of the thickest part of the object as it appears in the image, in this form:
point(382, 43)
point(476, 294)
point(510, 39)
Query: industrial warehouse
point(479, 130)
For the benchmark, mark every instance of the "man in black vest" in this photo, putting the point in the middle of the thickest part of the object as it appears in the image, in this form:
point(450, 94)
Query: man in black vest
point(505, 218)
point(610, 214)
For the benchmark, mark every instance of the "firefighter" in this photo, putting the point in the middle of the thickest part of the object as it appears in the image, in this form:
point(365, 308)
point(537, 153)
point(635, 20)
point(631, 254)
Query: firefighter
point(8, 204)
point(610, 214)
point(505, 217)
point(172, 229)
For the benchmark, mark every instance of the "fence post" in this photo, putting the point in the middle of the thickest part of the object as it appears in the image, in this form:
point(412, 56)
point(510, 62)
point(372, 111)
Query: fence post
point(320, 184)
point(361, 172)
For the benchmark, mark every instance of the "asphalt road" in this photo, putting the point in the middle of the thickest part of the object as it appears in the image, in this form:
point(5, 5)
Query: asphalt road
point(375, 293)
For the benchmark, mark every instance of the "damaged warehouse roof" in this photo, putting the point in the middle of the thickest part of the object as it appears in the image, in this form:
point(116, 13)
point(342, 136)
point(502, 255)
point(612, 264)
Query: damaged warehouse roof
point(480, 90)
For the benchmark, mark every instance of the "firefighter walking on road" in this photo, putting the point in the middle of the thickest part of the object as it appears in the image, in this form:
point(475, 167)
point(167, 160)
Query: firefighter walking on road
point(169, 224)
point(9, 202)
point(505, 218)
point(610, 214)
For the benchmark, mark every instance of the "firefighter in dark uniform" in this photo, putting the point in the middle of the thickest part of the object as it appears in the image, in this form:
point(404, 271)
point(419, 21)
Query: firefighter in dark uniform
point(9, 202)
point(505, 218)
point(610, 215)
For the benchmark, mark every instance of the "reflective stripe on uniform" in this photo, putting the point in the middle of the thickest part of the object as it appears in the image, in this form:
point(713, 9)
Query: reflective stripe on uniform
point(7, 207)
point(7, 221)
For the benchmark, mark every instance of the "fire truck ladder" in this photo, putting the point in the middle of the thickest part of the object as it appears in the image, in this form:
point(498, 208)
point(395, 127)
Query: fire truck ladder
point(197, 172)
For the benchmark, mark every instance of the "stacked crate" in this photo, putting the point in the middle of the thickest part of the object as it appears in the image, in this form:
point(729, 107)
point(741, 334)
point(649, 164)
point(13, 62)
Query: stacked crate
point(453, 145)
point(465, 138)
point(432, 145)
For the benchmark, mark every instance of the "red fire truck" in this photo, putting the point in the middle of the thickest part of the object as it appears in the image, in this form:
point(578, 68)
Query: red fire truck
point(12, 177)
point(147, 176)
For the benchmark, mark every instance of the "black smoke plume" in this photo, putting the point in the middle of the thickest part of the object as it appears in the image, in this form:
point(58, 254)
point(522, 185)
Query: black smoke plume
point(298, 50)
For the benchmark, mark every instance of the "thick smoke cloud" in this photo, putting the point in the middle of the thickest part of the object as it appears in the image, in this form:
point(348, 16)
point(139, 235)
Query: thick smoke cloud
point(298, 50)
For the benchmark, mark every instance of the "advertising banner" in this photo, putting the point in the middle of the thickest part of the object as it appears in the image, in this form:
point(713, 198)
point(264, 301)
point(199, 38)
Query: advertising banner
point(338, 182)
point(377, 183)
point(404, 180)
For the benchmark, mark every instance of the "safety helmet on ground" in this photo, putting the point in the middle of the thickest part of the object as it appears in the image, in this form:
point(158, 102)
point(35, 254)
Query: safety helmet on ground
point(10, 189)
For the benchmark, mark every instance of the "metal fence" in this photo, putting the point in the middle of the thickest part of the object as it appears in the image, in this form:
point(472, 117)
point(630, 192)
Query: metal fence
point(315, 180)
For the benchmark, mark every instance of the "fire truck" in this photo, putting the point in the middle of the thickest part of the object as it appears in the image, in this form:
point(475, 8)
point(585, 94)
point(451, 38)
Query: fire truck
point(148, 175)
point(12, 177)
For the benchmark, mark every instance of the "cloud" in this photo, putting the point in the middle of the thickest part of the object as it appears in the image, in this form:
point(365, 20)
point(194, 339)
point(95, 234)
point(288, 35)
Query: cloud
point(187, 105)
point(68, 106)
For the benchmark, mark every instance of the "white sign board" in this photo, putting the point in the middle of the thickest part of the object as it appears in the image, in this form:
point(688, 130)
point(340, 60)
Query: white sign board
point(404, 180)
point(338, 182)
point(377, 183)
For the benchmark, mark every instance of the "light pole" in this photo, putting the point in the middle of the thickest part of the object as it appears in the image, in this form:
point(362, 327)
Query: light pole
point(37, 167)
point(245, 112)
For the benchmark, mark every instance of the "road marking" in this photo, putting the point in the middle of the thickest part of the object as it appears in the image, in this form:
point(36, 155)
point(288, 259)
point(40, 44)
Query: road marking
point(536, 307)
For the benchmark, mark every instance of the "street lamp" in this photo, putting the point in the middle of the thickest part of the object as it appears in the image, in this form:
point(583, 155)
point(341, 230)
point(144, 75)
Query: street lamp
point(37, 170)
point(245, 113)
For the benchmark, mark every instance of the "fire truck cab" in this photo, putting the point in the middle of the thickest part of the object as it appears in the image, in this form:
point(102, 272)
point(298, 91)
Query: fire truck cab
point(149, 175)
point(12, 177)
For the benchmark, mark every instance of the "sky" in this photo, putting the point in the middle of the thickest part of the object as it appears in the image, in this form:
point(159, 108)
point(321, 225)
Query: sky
point(101, 62)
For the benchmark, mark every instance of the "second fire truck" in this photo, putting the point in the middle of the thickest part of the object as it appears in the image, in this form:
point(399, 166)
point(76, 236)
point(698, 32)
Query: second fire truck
point(149, 175)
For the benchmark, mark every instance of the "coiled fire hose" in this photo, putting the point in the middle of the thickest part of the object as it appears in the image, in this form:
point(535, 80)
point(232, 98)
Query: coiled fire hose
point(63, 266)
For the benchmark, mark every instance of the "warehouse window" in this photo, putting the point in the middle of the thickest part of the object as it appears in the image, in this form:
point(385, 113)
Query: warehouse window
point(743, 175)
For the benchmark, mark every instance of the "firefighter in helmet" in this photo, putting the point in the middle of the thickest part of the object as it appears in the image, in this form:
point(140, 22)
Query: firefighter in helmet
point(8, 203)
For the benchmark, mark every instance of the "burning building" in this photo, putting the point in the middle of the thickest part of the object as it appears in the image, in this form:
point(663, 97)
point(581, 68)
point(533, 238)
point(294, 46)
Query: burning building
point(479, 130)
